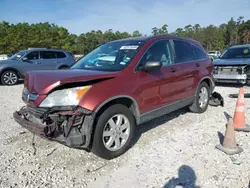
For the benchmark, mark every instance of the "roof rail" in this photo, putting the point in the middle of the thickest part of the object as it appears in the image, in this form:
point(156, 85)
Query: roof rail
point(35, 48)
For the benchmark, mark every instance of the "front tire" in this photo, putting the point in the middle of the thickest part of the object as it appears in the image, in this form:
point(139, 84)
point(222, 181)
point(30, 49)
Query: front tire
point(201, 99)
point(114, 132)
point(9, 77)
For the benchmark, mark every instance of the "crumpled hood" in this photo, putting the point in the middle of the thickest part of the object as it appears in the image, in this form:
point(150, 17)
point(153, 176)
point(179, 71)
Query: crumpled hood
point(42, 82)
point(238, 61)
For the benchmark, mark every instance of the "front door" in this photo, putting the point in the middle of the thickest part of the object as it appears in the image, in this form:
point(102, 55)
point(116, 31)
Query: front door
point(157, 88)
point(30, 62)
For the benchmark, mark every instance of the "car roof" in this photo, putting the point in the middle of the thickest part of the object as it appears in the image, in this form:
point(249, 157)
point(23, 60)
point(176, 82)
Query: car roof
point(147, 38)
point(44, 49)
point(241, 46)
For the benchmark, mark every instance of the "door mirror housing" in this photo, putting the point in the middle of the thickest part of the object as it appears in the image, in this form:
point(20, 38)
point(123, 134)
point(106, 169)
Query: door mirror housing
point(24, 59)
point(150, 66)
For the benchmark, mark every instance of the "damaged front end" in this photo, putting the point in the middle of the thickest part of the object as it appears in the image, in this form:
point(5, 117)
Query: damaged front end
point(231, 73)
point(70, 126)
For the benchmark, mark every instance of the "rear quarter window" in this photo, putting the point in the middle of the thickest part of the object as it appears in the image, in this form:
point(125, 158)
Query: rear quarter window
point(60, 55)
point(199, 54)
point(184, 52)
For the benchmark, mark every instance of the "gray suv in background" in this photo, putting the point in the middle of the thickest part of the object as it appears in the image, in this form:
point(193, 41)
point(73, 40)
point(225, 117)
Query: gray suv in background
point(15, 68)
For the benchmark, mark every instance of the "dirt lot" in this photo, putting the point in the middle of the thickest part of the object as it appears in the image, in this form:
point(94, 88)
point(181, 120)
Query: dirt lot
point(180, 145)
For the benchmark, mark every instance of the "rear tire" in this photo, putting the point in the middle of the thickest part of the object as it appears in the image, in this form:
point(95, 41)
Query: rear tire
point(201, 99)
point(115, 125)
point(9, 78)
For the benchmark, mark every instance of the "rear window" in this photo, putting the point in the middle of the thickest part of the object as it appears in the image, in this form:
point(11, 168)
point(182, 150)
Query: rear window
point(60, 55)
point(184, 51)
point(47, 55)
point(199, 54)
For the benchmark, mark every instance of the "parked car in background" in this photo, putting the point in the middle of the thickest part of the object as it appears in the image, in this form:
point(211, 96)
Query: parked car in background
point(3, 57)
point(214, 54)
point(78, 56)
point(15, 67)
point(98, 102)
point(233, 66)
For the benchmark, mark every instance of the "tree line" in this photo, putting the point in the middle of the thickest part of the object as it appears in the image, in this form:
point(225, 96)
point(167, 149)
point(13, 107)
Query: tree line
point(15, 37)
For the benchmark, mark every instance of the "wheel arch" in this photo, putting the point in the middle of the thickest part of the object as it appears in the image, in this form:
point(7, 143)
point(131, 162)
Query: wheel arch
point(11, 69)
point(126, 100)
point(62, 66)
point(209, 82)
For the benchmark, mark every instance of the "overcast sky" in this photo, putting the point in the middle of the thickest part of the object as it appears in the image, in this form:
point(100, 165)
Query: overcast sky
point(80, 16)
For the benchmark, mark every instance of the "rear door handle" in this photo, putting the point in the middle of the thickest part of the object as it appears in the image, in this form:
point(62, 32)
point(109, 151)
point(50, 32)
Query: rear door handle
point(197, 65)
point(37, 62)
point(57, 61)
point(172, 69)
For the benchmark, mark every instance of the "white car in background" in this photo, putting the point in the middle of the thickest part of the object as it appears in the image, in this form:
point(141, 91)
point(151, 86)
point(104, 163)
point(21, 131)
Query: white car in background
point(214, 54)
point(3, 57)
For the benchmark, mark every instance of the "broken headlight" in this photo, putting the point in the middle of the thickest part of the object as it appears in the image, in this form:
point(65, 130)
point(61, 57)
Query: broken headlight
point(65, 97)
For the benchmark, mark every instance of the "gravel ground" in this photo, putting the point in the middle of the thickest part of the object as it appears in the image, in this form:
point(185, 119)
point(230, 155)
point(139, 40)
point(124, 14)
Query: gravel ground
point(175, 149)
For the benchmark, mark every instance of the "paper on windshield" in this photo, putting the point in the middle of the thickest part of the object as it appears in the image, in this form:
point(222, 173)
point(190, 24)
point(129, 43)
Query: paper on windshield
point(129, 47)
point(246, 51)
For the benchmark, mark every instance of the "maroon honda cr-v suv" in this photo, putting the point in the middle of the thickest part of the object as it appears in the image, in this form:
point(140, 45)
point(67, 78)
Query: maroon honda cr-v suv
point(98, 102)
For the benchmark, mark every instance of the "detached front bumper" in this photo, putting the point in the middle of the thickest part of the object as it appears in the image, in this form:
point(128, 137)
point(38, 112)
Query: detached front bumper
point(36, 128)
point(69, 127)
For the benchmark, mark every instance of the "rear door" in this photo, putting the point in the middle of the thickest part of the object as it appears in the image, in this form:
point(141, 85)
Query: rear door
point(205, 66)
point(48, 59)
point(187, 69)
point(62, 59)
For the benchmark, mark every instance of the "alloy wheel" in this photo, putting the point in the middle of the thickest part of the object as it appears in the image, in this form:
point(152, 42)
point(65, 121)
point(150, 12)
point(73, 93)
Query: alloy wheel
point(116, 132)
point(203, 97)
point(9, 78)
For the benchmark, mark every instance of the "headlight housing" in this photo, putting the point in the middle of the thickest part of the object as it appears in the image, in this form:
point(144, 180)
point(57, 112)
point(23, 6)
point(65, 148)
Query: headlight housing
point(65, 97)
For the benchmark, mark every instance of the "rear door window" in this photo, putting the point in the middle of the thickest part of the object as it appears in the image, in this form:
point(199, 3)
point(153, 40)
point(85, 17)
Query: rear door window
point(199, 54)
point(47, 55)
point(184, 52)
point(60, 55)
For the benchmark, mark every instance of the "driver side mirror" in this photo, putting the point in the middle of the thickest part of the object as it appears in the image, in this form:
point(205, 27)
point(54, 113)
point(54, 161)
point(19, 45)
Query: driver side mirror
point(24, 58)
point(151, 66)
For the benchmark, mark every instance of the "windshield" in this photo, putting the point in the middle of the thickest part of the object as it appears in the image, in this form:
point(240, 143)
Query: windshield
point(17, 56)
point(113, 56)
point(231, 53)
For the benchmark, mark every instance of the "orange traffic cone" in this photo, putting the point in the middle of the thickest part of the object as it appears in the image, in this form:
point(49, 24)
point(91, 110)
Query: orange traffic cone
point(229, 145)
point(239, 114)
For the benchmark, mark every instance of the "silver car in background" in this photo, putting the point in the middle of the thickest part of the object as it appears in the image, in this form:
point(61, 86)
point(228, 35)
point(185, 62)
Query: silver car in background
point(15, 67)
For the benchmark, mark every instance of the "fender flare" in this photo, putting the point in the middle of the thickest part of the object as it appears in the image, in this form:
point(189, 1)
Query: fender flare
point(137, 111)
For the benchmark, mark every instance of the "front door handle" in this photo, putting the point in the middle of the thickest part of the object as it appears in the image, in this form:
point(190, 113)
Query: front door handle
point(37, 62)
point(197, 65)
point(57, 61)
point(172, 69)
